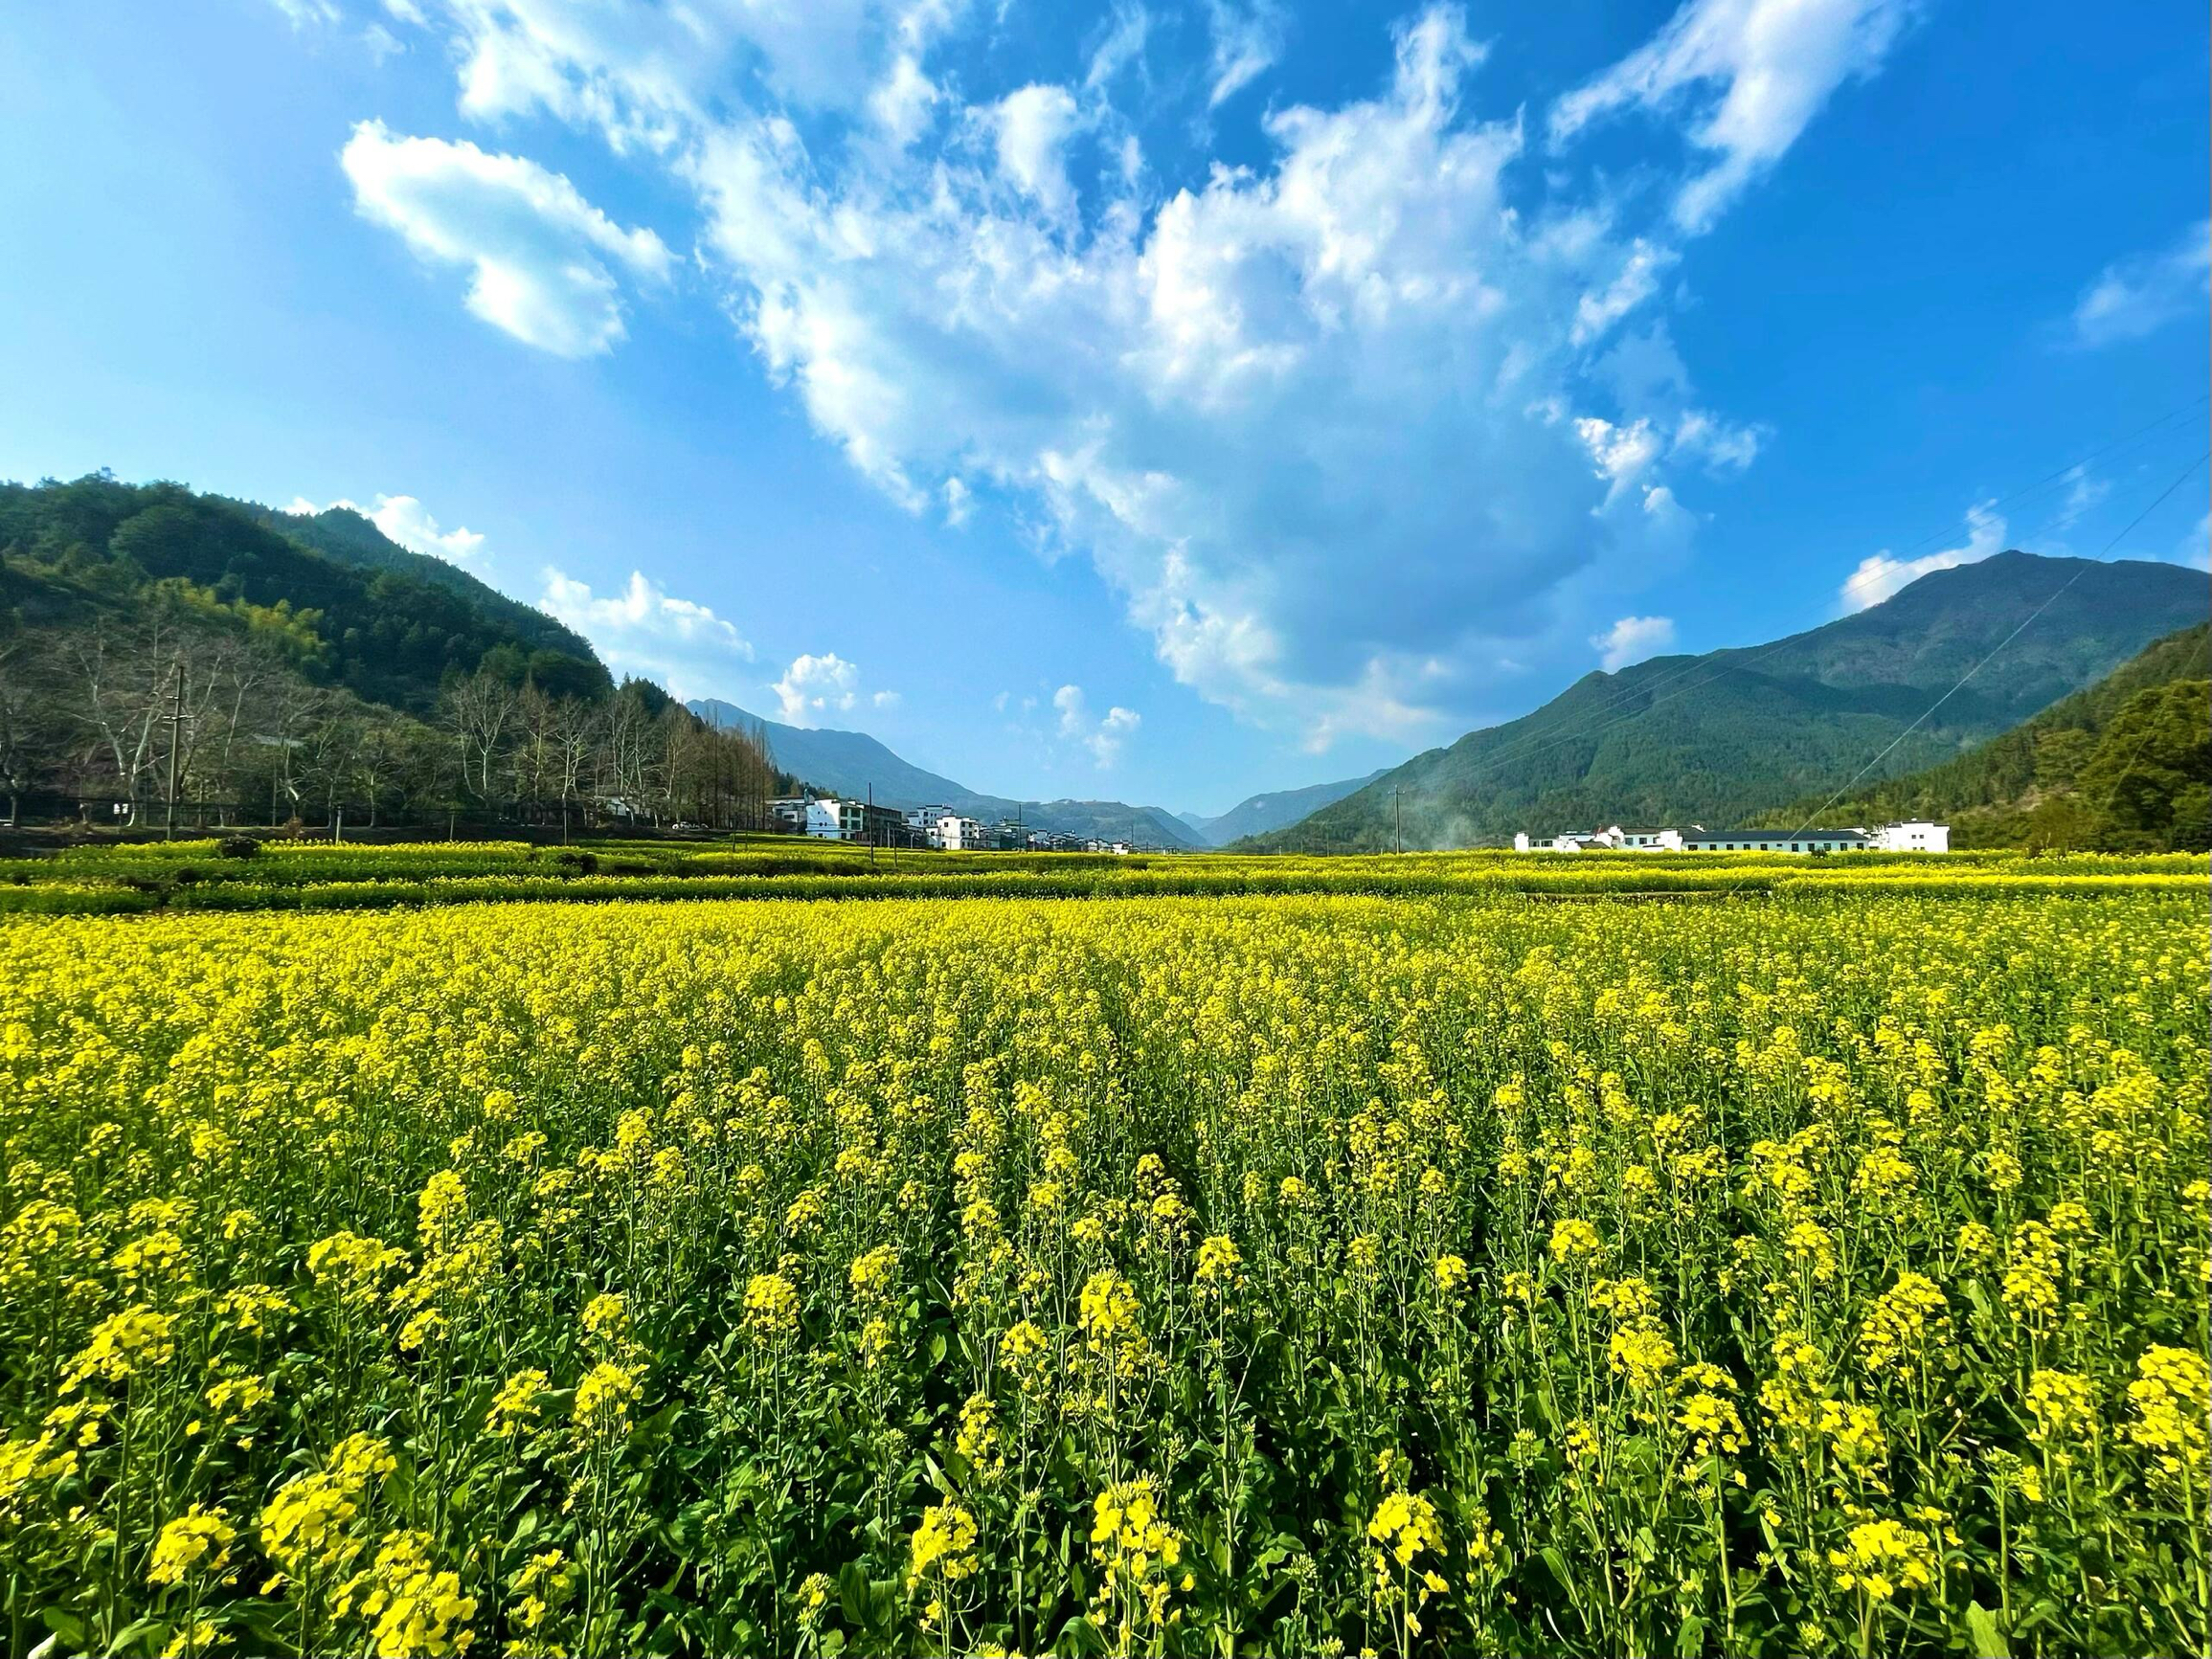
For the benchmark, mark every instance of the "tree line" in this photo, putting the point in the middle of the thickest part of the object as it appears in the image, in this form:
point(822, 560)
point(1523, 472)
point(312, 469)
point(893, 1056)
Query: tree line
point(95, 715)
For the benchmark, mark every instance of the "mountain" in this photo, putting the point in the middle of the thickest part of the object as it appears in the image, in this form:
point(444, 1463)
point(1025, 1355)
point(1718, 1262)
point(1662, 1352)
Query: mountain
point(352, 609)
point(852, 763)
point(160, 646)
point(349, 538)
point(1256, 815)
point(1715, 738)
point(845, 763)
point(2124, 764)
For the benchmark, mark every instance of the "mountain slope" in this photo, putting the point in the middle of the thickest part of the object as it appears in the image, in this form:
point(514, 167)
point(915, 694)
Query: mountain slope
point(2094, 769)
point(846, 763)
point(346, 536)
point(852, 763)
point(1256, 815)
point(1717, 737)
point(385, 623)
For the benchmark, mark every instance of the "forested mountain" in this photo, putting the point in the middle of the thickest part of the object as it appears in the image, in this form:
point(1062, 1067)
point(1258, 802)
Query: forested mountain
point(388, 624)
point(2123, 766)
point(1719, 737)
point(298, 666)
point(349, 538)
point(854, 764)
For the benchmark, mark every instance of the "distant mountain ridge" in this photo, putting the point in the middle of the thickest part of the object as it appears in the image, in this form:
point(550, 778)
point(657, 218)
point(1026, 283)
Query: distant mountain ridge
point(854, 764)
point(1721, 738)
point(1259, 814)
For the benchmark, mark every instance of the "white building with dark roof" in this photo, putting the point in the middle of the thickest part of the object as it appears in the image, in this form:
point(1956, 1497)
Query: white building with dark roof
point(1914, 836)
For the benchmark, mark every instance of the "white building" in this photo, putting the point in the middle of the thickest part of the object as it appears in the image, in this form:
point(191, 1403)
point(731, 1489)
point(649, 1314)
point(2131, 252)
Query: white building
point(1611, 839)
point(956, 834)
point(1914, 836)
point(824, 821)
point(1809, 840)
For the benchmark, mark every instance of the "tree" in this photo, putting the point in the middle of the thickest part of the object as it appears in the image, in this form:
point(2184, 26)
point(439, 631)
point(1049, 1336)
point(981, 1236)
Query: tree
point(476, 712)
point(2147, 779)
point(26, 730)
point(576, 732)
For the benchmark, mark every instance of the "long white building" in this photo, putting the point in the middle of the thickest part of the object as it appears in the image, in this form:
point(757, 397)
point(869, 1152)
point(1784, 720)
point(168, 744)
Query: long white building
point(1912, 835)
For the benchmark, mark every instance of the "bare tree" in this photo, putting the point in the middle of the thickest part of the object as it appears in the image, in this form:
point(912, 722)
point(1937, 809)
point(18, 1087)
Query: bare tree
point(575, 734)
point(537, 767)
point(477, 711)
point(287, 718)
point(123, 685)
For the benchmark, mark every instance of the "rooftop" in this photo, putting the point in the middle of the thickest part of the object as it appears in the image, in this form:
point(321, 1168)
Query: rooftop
point(1761, 835)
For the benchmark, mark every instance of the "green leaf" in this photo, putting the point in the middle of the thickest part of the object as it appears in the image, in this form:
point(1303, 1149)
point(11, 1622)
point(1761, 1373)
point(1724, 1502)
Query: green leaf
point(1690, 1639)
point(1989, 1641)
point(852, 1592)
point(68, 1628)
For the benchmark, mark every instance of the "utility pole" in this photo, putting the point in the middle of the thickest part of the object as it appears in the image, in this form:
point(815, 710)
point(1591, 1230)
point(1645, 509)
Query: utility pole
point(1398, 823)
point(868, 818)
point(175, 741)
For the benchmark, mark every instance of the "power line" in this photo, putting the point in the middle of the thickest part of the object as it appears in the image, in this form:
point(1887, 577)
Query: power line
point(1529, 743)
point(2180, 480)
point(2192, 408)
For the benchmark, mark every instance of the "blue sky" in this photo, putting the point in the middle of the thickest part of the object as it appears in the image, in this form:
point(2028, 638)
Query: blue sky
point(1166, 401)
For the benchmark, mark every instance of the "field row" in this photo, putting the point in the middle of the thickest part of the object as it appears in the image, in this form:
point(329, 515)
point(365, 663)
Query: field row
point(195, 876)
point(1292, 1275)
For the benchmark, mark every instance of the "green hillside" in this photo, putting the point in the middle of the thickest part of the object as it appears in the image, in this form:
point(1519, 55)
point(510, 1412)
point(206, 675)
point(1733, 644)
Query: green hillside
point(273, 667)
point(2124, 764)
point(1720, 737)
point(384, 623)
point(347, 537)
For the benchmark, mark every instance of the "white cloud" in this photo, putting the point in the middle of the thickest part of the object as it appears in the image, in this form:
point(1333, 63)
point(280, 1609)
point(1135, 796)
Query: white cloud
point(1633, 638)
point(813, 686)
point(1319, 420)
point(1599, 310)
point(537, 252)
point(902, 102)
point(2195, 548)
point(1750, 73)
point(644, 629)
point(409, 523)
point(1213, 399)
point(1881, 576)
point(1620, 454)
point(2140, 295)
point(1248, 37)
point(1031, 128)
point(1104, 736)
point(1722, 447)
point(647, 75)
point(959, 501)
point(308, 13)
point(1122, 45)
point(2083, 491)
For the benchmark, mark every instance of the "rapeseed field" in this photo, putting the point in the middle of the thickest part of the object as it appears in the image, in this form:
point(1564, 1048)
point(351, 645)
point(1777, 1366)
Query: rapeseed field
point(1308, 1274)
